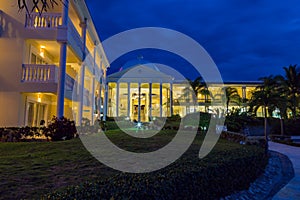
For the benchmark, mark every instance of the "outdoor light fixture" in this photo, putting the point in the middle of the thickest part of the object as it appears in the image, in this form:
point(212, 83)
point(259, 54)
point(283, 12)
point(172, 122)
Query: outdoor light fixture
point(39, 97)
point(139, 124)
point(42, 51)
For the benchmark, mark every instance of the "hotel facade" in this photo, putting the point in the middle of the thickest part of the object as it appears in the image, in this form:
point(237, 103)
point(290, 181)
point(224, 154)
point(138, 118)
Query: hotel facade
point(141, 91)
point(53, 64)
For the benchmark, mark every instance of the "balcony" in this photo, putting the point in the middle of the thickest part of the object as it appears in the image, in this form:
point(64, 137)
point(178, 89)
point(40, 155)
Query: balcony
point(43, 21)
point(35, 73)
point(74, 39)
point(52, 22)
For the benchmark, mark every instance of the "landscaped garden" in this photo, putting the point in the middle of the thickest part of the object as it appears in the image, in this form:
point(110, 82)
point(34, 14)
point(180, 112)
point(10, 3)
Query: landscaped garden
point(52, 163)
point(66, 170)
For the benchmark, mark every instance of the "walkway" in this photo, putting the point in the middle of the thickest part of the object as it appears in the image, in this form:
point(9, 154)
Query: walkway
point(291, 191)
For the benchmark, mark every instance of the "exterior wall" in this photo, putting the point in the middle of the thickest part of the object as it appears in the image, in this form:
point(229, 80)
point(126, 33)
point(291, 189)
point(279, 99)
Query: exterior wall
point(11, 109)
point(23, 82)
point(182, 99)
point(11, 56)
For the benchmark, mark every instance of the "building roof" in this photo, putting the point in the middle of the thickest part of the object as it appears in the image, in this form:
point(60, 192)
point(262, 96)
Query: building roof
point(139, 71)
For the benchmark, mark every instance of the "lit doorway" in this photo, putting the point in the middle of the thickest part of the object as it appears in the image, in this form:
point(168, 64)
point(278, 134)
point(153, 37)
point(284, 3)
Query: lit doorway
point(35, 113)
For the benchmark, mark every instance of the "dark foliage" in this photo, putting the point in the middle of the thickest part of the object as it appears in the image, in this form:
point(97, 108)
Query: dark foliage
point(20, 134)
point(60, 129)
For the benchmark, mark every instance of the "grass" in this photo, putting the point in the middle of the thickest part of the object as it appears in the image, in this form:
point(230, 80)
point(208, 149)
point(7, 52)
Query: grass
point(29, 170)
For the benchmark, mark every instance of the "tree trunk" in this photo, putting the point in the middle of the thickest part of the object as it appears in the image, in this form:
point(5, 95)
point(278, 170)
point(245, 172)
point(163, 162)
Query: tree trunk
point(281, 126)
point(266, 131)
point(227, 107)
point(294, 106)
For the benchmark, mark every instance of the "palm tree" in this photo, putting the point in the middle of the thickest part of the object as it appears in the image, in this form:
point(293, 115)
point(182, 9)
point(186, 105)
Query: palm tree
point(194, 88)
point(283, 100)
point(39, 5)
point(198, 85)
point(267, 97)
point(232, 96)
point(292, 84)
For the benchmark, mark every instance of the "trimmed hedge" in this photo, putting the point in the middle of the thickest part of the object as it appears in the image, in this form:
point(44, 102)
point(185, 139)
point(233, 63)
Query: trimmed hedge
point(58, 129)
point(18, 134)
point(235, 137)
point(219, 174)
point(289, 142)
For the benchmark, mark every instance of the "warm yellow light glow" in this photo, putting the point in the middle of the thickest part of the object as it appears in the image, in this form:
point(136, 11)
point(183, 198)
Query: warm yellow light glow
point(39, 99)
point(42, 51)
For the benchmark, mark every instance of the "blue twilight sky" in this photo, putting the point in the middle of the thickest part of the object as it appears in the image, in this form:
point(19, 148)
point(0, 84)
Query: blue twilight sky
point(247, 39)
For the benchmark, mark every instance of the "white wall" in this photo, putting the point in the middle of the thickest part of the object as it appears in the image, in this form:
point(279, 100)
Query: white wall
point(10, 109)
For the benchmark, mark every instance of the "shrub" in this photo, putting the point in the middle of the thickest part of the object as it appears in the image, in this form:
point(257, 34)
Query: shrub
point(291, 126)
point(176, 118)
point(16, 134)
point(235, 137)
point(213, 177)
point(60, 129)
point(204, 119)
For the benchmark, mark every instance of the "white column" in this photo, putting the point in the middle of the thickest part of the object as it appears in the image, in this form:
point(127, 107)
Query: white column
point(81, 94)
point(128, 100)
point(100, 93)
point(100, 90)
point(82, 73)
point(62, 64)
point(99, 98)
point(244, 92)
point(160, 99)
point(150, 101)
point(171, 98)
point(93, 88)
point(139, 102)
point(117, 98)
point(105, 100)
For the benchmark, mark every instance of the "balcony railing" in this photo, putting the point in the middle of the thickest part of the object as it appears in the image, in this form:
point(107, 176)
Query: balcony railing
point(43, 21)
point(39, 73)
point(75, 39)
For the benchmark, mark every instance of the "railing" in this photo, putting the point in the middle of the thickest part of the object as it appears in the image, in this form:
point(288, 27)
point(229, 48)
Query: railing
point(39, 73)
point(44, 20)
point(74, 38)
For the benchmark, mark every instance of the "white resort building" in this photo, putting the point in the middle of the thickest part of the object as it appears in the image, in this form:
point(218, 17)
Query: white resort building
point(141, 91)
point(51, 64)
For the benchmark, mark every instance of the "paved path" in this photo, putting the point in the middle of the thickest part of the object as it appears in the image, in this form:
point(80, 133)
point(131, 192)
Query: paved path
point(292, 190)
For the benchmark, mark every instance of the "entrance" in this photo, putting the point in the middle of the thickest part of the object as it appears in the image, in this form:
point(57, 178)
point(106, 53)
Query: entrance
point(135, 107)
point(35, 112)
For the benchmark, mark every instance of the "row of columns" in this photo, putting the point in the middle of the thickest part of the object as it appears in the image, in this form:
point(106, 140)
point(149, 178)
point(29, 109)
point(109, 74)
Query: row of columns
point(139, 100)
point(62, 70)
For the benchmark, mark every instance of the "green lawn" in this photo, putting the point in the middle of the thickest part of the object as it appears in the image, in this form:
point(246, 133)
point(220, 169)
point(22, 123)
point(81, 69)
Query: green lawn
point(29, 170)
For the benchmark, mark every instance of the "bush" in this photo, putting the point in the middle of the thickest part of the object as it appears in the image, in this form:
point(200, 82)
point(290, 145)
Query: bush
point(204, 119)
point(213, 177)
point(175, 118)
point(17, 134)
point(235, 137)
point(60, 129)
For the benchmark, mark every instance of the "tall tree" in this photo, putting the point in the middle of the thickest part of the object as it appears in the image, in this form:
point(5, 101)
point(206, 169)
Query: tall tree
point(197, 85)
point(292, 84)
point(194, 88)
point(232, 96)
point(265, 96)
